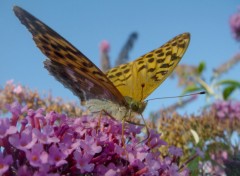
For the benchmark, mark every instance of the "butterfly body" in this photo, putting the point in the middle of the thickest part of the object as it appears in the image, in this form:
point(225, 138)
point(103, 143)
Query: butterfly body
point(122, 90)
point(115, 110)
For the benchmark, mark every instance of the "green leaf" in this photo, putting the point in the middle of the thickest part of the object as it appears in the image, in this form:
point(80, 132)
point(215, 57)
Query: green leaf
point(194, 166)
point(201, 67)
point(191, 89)
point(228, 91)
point(229, 82)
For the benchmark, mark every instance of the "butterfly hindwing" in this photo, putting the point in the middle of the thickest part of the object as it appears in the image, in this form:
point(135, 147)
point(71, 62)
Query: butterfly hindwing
point(139, 78)
point(67, 64)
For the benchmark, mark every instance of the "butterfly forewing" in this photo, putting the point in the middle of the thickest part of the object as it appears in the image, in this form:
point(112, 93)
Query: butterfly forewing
point(68, 65)
point(140, 78)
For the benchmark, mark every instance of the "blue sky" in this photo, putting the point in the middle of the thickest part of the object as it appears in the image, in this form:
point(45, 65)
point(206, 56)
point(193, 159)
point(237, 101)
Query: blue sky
point(86, 23)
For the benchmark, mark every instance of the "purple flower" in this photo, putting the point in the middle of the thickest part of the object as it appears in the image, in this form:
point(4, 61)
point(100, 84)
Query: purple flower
point(36, 118)
point(173, 170)
point(104, 46)
point(235, 25)
point(222, 109)
point(5, 162)
point(24, 171)
point(56, 157)
point(133, 129)
point(51, 117)
point(152, 164)
point(37, 156)
point(155, 140)
point(83, 161)
point(24, 141)
point(14, 108)
point(136, 152)
point(6, 128)
point(112, 170)
point(16, 111)
point(199, 152)
point(44, 172)
point(54, 144)
point(46, 136)
point(227, 109)
point(18, 89)
point(68, 144)
point(90, 146)
point(175, 151)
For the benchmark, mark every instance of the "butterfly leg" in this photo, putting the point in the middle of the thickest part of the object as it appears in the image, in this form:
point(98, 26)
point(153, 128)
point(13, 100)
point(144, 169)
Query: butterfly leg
point(148, 133)
point(123, 123)
point(123, 127)
point(145, 125)
point(101, 114)
point(135, 123)
point(109, 115)
point(123, 139)
point(99, 120)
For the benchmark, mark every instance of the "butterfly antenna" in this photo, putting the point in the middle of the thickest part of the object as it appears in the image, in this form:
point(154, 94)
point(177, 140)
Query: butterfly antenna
point(193, 94)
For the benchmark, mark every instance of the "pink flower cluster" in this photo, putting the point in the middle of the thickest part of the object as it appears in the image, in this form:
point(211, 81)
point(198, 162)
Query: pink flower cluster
point(104, 46)
point(217, 167)
point(227, 109)
point(39, 143)
point(235, 25)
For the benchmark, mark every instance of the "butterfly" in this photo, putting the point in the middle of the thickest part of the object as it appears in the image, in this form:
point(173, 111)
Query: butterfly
point(119, 92)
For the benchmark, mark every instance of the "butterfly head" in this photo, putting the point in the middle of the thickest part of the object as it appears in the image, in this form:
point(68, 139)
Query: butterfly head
point(135, 106)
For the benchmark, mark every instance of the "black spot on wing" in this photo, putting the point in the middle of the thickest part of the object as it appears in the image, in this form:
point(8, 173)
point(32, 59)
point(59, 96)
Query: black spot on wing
point(118, 74)
point(141, 68)
point(126, 71)
point(150, 60)
point(149, 55)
